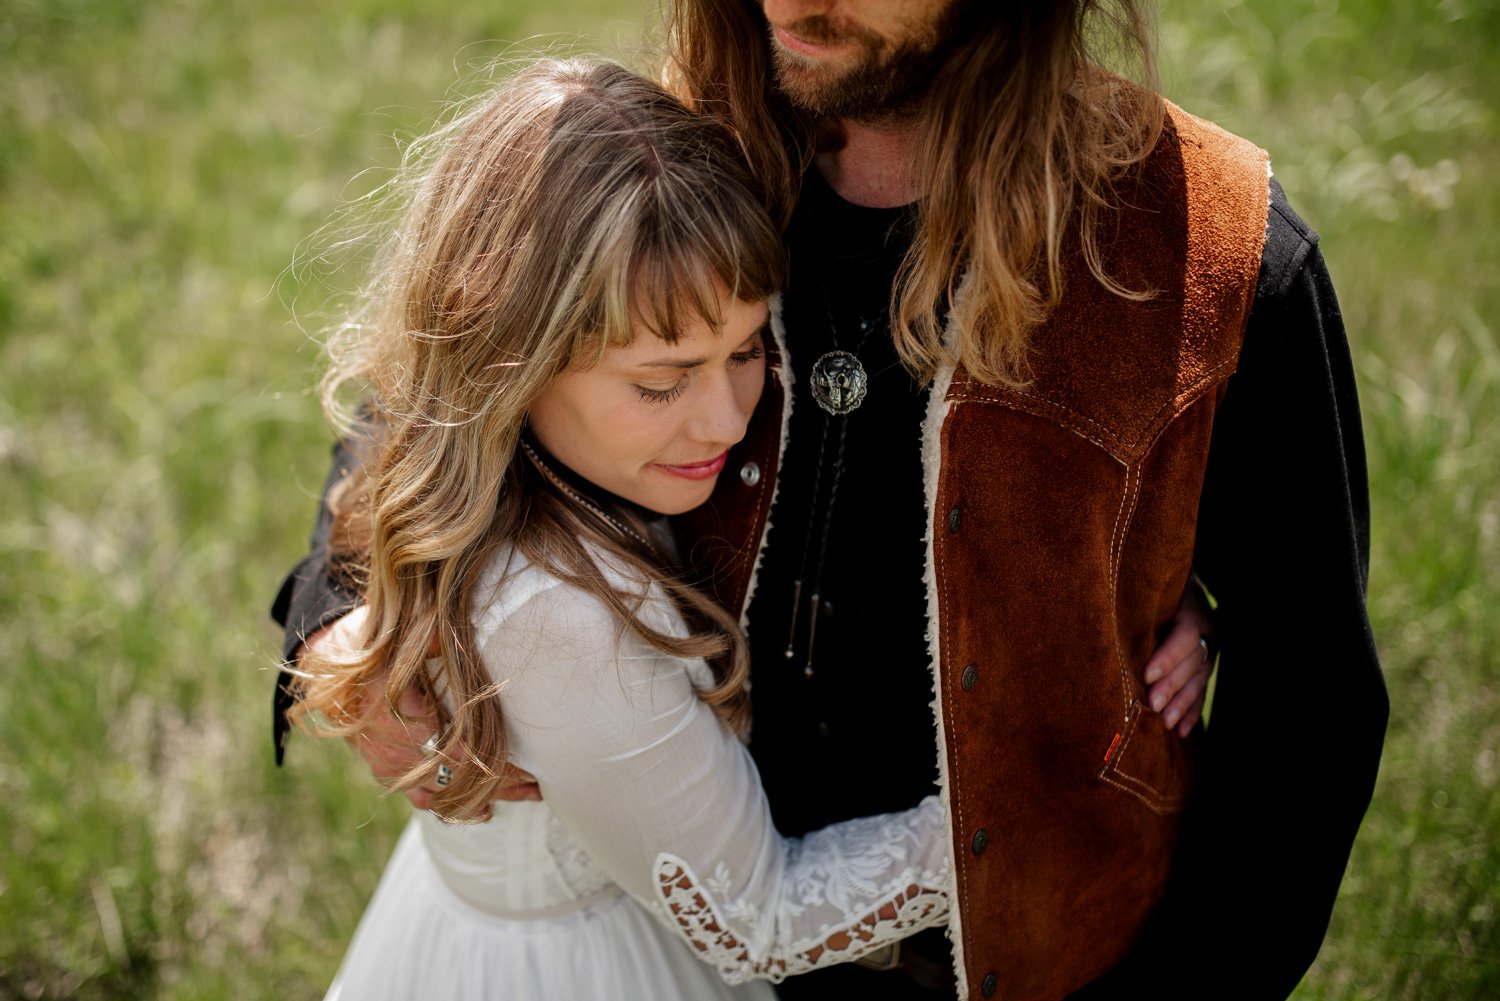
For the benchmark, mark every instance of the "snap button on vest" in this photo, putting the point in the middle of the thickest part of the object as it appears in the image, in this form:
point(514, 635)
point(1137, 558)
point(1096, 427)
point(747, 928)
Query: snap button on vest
point(750, 474)
point(981, 840)
point(970, 677)
point(954, 519)
point(988, 985)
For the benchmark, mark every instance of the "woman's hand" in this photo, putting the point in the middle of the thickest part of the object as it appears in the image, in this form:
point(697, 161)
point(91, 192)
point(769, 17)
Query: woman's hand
point(391, 746)
point(1177, 673)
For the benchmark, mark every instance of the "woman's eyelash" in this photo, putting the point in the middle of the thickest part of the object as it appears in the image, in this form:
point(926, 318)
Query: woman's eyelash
point(661, 395)
point(668, 395)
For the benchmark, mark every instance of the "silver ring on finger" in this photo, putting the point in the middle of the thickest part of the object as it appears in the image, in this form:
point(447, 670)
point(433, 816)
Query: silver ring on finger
point(1203, 642)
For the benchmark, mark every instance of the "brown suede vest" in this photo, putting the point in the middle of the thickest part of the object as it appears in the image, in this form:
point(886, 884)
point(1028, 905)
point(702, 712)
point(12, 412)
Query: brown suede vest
point(1062, 521)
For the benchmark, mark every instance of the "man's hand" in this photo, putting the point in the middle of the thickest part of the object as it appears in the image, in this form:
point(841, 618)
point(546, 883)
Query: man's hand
point(1178, 671)
point(392, 747)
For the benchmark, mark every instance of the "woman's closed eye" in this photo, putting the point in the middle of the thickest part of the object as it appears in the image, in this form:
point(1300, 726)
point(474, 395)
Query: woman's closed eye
point(651, 395)
point(748, 356)
point(666, 394)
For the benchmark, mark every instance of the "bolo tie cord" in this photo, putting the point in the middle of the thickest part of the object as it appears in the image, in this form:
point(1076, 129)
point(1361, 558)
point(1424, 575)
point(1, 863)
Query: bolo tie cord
point(815, 601)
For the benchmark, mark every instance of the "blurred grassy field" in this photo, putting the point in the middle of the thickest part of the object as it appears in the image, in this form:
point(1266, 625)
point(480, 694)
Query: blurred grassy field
point(159, 455)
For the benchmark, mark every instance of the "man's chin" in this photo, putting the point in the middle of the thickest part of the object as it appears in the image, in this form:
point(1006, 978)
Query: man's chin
point(807, 84)
point(856, 89)
point(862, 77)
point(828, 98)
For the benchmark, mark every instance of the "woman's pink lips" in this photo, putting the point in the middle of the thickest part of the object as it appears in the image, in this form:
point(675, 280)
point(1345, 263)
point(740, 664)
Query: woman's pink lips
point(696, 470)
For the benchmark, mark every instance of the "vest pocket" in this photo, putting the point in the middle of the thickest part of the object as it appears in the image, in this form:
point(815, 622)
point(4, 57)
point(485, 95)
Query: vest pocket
point(1149, 762)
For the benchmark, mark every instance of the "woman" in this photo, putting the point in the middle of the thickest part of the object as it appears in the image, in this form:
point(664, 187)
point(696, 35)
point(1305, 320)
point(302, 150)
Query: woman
point(568, 337)
point(568, 333)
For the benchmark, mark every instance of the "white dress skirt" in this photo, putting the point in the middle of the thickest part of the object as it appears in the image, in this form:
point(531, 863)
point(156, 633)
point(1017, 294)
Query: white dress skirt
point(421, 939)
point(651, 870)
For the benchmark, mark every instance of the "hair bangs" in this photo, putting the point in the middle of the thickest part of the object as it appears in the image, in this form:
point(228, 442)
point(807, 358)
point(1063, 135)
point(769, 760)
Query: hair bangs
point(691, 241)
point(717, 241)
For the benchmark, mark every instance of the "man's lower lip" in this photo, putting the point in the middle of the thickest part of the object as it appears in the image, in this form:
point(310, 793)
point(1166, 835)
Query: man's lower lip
point(699, 471)
point(797, 45)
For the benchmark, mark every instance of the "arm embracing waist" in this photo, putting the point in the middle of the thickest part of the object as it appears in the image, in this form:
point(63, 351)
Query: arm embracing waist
point(656, 789)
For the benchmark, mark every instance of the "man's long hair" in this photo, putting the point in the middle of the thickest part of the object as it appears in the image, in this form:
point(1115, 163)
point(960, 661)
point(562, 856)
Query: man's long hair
point(1026, 127)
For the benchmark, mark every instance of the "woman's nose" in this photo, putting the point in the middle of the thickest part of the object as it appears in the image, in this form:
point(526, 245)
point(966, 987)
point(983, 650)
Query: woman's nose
point(722, 415)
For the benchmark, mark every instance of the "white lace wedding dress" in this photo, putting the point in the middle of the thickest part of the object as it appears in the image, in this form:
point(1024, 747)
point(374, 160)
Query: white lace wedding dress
point(651, 871)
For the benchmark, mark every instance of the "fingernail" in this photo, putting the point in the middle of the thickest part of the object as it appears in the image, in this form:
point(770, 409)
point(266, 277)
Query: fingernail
point(1157, 701)
point(1171, 718)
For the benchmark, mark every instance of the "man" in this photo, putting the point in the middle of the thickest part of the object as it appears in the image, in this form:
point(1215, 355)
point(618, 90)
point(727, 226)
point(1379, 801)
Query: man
point(1064, 457)
point(1049, 358)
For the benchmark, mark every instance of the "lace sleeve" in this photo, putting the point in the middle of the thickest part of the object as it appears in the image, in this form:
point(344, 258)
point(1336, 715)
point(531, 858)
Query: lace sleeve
point(670, 804)
point(840, 881)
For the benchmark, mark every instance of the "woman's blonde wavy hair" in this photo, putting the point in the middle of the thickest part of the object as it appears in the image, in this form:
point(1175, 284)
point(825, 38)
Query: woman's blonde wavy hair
point(1023, 135)
point(576, 206)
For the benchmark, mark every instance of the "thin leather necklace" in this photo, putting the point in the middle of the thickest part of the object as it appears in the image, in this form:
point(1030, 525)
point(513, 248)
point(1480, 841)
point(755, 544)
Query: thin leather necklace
point(577, 498)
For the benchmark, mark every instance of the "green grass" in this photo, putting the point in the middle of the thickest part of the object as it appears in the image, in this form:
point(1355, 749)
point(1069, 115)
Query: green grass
point(159, 453)
point(1381, 123)
point(159, 456)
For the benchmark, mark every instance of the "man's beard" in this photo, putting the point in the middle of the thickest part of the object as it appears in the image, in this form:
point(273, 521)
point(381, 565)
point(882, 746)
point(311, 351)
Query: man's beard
point(882, 83)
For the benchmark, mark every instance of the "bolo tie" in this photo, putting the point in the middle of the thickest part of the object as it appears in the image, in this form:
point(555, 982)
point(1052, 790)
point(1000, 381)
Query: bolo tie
point(839, 384)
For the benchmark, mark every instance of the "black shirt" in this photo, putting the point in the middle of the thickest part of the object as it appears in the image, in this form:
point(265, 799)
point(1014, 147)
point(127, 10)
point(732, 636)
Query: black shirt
point(850, 696)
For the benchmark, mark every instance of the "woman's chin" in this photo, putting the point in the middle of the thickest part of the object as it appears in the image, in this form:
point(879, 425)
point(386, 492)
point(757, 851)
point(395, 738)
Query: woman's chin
point(677, 497)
